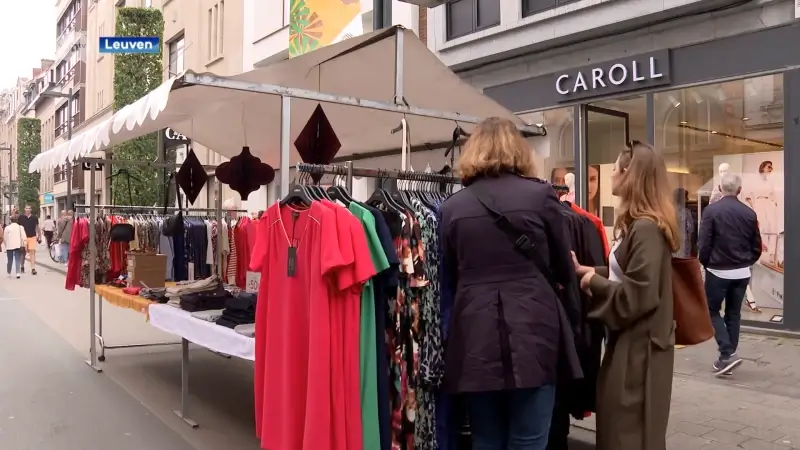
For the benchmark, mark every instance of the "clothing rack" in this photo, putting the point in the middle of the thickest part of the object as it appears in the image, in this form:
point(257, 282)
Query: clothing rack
point(98, 333)
point(349, 171)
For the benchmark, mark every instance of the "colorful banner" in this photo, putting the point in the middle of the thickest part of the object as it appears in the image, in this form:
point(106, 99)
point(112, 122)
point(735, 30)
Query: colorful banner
point(316, 23)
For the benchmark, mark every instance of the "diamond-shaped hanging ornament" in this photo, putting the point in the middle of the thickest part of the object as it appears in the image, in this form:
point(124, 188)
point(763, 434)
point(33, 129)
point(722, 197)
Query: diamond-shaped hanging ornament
point(191, 177)
point(317, 143)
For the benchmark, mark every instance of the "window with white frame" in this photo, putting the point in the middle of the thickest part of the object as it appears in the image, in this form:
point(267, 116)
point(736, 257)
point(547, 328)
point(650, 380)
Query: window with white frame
point(176, 50)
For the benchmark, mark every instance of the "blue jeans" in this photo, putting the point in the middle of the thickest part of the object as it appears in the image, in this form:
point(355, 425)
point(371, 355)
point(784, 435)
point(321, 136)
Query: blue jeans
point(517, 419)
point(63, 252)
point(726, 329)
point(14, 257)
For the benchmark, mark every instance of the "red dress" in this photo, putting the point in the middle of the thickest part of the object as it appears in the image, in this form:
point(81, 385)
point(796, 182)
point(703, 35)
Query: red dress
point(78, 239)
point(293, 329)
point(345, 328)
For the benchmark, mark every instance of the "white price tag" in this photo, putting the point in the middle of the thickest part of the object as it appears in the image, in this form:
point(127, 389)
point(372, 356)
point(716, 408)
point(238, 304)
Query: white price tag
point(191, 271)
point(253, 282)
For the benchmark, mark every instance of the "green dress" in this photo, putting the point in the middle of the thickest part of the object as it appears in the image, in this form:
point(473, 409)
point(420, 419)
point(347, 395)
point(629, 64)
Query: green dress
point(368, 352)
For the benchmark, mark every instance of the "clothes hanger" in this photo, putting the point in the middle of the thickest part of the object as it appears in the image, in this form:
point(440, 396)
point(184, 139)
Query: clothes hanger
point(382, 197)
point(298, 194)
point(337, 192)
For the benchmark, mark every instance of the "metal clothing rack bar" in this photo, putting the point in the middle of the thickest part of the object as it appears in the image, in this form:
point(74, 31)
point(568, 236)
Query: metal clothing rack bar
point(349, 171)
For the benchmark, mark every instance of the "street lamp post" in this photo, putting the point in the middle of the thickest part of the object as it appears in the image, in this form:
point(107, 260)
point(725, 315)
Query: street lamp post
point(6, 148)
point(69, 96)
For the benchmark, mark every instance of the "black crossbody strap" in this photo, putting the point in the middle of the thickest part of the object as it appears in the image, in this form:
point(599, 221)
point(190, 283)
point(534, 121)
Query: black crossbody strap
point(522, 243)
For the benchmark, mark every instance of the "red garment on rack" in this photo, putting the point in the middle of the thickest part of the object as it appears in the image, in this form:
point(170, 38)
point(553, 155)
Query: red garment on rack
point(242, 252)
point(307, 387)
point(598, 225)
point(78, 239)
point(345, 327)
point(116, 253)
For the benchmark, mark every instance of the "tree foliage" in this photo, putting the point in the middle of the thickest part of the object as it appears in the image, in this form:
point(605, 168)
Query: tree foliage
point(29, 143)
point(135, 75)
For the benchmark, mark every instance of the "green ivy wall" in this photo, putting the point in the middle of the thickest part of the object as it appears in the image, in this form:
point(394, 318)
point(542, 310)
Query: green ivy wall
point(134, 76)
point(29, 142)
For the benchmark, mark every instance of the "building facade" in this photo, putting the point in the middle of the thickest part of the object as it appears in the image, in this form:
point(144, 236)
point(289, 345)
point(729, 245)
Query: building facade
point(691, 77)
point(66, 87)
point(12, 101)
point(203, 36)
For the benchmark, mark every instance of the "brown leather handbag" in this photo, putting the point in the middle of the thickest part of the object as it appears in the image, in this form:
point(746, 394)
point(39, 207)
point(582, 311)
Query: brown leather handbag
point(692, 319)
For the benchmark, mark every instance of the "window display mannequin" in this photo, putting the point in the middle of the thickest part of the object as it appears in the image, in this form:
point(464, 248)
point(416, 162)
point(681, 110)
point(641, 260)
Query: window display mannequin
point(716, 194)
point(569, 180)
point(761, 196)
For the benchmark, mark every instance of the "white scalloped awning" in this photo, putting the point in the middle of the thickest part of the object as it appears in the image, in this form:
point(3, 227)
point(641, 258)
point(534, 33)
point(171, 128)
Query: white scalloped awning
point(225, 120)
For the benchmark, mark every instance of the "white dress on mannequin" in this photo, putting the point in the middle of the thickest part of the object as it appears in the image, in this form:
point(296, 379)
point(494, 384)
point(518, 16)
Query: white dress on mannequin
point(762, 198)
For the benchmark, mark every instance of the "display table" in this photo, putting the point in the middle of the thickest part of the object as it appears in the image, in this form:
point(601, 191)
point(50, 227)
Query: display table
point(116, 297)
point(219, 339)
point(202, 332)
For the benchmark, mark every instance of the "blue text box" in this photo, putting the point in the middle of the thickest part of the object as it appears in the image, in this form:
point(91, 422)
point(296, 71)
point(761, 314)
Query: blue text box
point(130, 45)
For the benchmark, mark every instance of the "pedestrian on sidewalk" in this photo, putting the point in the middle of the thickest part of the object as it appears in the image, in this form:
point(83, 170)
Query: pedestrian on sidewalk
point(13, 239)
point(632, 297)
point(49, 228)
point(30, 223)
point(63, 236)
point(729, 244)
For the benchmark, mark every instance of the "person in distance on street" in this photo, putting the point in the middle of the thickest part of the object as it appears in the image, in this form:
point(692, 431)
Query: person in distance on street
point(13, 240)
point(729, 244)
point(30, 223)
point(632, 297)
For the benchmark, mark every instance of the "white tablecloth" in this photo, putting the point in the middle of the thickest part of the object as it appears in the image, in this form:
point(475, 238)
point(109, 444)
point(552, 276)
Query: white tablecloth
point(201, 332)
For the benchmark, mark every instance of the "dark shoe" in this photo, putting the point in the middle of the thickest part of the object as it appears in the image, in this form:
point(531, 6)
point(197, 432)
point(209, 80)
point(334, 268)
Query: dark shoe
point(725, 366)
point(22, 270)
point(33, 272)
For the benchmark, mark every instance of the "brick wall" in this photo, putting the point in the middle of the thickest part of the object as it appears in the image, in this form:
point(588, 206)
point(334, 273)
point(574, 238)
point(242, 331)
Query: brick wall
point(423, 24)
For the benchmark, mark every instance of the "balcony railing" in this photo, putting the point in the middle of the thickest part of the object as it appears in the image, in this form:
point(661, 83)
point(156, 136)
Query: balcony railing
point(66, 33)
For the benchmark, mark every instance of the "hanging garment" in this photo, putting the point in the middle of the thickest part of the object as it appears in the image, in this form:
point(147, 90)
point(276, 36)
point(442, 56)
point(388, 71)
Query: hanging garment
point(295, 394)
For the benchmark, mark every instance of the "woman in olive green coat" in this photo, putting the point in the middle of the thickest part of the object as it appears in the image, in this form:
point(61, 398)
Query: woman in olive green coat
point(632, 297)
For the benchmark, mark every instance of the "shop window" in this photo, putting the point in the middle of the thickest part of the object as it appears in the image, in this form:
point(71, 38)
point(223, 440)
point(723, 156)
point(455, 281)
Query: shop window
point(554, 154)
point(735, 126)
point(531, 7)
point(468, 16)
point(611, 125)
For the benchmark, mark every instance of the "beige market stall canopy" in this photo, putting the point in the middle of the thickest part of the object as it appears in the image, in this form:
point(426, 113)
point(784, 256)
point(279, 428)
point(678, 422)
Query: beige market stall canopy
point(366, 85)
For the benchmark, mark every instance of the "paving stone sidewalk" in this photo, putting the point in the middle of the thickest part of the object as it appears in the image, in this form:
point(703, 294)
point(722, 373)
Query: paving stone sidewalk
point(756, 408)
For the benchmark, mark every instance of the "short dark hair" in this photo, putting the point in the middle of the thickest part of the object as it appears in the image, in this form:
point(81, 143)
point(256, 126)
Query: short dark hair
point(48, 216)
point(14, 219)
point(763, 166)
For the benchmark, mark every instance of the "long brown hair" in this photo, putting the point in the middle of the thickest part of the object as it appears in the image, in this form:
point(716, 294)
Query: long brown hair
point(496, 146)
point(644, 192)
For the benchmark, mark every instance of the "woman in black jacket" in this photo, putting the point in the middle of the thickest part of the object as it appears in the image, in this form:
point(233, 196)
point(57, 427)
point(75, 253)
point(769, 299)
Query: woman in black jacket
point(509, 333)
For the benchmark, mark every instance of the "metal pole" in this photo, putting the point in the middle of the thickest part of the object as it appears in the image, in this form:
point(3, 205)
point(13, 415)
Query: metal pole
point(69, 138)
point(286, 129)
point(92, 362)
point(349, 181)
point(399, 52)
point(220, 229)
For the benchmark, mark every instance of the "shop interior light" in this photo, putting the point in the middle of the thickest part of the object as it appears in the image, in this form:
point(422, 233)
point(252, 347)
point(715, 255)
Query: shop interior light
point(745, 119)
point(713, 132)
point(697, 98)
point(674, 102)
point(721, 94)
point(683, 122)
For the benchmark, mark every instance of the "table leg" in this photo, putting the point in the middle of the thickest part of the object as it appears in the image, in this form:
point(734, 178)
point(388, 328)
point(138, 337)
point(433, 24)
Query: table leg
point(182, 413)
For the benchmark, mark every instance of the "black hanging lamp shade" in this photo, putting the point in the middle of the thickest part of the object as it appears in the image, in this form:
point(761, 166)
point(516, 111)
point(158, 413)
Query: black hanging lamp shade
point(317, 142)
point(191, 177)
point(245, 173)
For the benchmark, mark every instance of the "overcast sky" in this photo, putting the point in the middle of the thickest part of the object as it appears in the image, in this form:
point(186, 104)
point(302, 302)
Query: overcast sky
point(27, 28)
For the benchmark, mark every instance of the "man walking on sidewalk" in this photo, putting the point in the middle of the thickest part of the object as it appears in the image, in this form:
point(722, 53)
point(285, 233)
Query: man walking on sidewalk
point(729, 244)
point(30, 224)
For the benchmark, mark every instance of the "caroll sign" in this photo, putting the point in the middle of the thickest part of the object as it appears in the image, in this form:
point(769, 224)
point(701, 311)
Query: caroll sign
point(613, 77)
